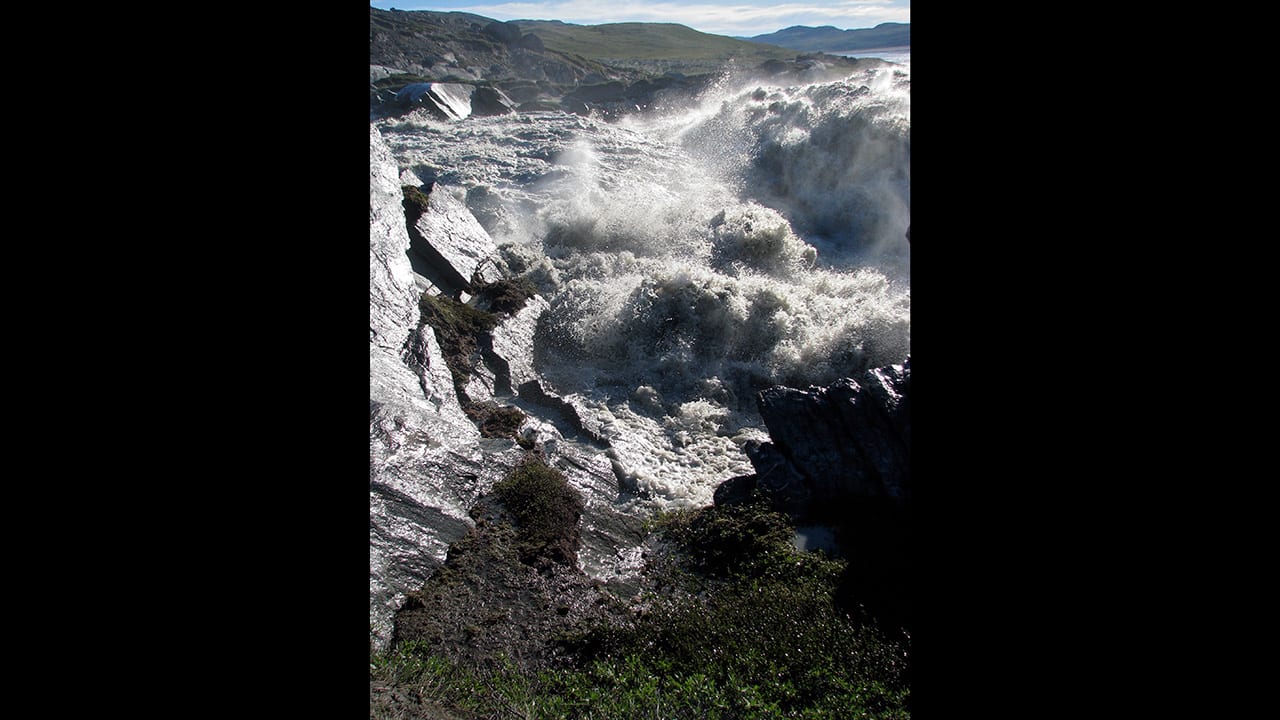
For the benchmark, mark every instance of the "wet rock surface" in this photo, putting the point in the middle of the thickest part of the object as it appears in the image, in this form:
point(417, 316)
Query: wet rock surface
point(429, 462)
point(449, 239)
point(848, 442)
point(498, 594)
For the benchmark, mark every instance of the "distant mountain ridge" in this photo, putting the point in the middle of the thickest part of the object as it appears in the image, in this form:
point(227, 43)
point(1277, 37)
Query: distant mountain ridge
point(831, 39)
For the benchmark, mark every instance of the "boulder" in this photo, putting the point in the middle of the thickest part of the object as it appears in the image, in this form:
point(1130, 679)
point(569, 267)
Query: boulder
point(503, 32)
point(449, 101)
point(531, 42)
point(491, 101)
point(833, 446)
point(452, 242)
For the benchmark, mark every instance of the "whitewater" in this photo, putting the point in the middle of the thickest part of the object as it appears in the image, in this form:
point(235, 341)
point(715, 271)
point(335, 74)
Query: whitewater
point(694, 254)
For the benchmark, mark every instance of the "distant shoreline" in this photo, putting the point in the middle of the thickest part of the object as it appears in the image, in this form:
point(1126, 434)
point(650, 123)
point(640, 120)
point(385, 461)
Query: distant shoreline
point(868, 52)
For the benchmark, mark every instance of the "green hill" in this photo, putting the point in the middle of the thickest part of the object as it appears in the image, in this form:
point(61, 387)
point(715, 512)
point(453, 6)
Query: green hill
point(831, 39)
point(649, 41)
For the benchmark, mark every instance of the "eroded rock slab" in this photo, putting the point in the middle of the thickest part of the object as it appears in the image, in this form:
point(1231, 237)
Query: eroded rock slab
point(831, 446)
point(450, 238)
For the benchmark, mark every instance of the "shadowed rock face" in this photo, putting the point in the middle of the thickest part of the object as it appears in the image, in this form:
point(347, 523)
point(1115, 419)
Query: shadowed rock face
point(840, 458)
point(454, 101)
point(848, 442)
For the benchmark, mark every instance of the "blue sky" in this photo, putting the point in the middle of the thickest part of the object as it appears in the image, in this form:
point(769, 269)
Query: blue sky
point(721, 17)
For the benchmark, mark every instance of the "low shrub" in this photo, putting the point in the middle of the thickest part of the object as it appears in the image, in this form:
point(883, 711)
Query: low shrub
point(733, 623)
point(415, 203)
point(546, 508)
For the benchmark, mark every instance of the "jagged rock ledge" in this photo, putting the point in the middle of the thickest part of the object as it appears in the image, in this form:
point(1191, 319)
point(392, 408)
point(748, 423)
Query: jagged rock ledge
point(429, 462)
point(830, 446)
point(838, 463)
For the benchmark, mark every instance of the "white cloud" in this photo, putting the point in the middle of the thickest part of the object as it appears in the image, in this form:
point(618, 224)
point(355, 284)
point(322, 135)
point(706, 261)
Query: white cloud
point(726, 19)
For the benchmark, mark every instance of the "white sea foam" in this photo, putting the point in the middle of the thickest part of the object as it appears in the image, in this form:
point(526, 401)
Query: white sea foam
point(694, 258)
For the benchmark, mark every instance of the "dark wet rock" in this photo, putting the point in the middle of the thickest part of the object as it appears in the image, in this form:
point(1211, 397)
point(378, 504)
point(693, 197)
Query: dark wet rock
point(830, 446)
point(491, 101)
point(521, 91)
point(503, 32)
point(448, 101)
point(539, 106)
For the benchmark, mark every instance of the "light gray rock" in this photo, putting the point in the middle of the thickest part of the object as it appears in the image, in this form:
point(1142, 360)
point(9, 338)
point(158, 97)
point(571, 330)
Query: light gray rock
point(378, 72)
point(450, 238)
point(426, 465)
point(513, 345)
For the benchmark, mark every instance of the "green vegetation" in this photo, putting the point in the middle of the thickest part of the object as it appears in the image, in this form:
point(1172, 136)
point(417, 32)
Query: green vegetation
point(505, 296)
point(733, 623)
point(457, 326)
point(546, 509)
point(648, 41)
point(415, 203)
point(399, 81)
point(494, 420)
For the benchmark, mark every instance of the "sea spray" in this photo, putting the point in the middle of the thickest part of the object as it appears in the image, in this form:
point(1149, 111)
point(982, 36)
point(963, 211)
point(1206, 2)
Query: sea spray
point(693, 258)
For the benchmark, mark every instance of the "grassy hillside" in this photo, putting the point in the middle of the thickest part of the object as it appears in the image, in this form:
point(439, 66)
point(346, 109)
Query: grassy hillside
point(649, 41)
point(832, 39)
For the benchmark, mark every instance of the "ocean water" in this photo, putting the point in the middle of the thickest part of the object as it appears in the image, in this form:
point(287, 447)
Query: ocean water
point(696, 254)
point(900, 54)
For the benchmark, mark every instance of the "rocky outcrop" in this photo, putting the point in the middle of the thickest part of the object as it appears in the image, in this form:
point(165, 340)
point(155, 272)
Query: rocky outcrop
point(487, 101)
point(451, 243)
point(425, 463)
point(614, 98)
point(428, 462)
point(832, 446)
point(451, 101)
point(451, 47)
point(839, 464)
point(503, 32)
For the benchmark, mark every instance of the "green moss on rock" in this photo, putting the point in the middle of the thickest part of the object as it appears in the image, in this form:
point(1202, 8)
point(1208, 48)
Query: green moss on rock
point(494, 420)
point(546, 508)
point(458, 327)
point(415, 203)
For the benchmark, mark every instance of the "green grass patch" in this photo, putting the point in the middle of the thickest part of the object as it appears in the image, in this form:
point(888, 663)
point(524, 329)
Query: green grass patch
point(546, 508)
point(648, 41)
point(494, 420)
point(506, 296)
point(734, 624)
point(740, 624)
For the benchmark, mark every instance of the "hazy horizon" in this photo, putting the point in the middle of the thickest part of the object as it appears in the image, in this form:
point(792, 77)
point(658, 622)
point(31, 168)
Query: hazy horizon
point(735, 18)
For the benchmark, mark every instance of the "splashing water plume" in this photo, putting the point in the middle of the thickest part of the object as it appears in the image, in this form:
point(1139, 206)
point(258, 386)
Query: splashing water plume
point(692, 257)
